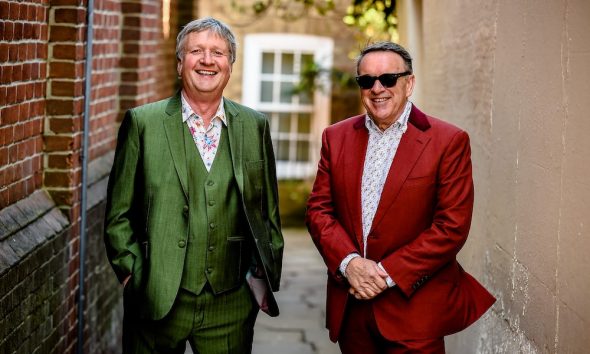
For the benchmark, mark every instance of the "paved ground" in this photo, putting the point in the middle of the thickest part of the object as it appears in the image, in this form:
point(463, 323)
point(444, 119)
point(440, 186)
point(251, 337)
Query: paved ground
point(300, 328)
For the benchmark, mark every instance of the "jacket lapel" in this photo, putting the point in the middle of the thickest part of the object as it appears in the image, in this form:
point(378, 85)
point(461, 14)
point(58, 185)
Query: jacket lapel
point(236, 141)
point(354, 160)
point(174, 128)
point(408, 152)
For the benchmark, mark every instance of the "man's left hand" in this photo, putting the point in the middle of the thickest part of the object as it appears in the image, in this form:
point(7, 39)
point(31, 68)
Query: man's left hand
point(366, 278)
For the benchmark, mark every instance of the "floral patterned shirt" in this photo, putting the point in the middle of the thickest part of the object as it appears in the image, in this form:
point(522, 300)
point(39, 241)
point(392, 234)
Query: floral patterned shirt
point(206, 139)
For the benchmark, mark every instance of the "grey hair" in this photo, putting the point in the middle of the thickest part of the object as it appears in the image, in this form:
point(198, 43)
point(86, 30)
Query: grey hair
point(207, 24)
point(386, 47)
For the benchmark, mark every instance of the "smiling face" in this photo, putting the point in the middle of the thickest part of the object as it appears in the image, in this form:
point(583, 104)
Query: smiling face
point(205, 66)
point(385, 105)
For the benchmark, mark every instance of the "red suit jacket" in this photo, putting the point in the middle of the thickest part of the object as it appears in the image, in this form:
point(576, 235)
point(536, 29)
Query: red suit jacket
point(421, 223)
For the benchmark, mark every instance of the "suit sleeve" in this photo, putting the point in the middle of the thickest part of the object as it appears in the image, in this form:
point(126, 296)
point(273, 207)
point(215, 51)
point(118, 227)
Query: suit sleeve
point(272, 205)
point(414, 263)
point(328, 234)
point(120, 216)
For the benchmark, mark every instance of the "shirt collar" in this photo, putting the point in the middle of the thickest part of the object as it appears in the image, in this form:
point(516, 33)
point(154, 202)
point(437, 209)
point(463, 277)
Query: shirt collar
point(401, 123)
point(187, 111)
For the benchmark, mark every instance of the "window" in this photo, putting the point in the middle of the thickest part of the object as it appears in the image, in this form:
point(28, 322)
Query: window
point(272, 68)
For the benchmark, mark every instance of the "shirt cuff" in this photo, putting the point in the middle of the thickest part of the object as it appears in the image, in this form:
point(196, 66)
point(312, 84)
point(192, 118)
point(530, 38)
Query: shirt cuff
point(390, 282)
point(345, 262)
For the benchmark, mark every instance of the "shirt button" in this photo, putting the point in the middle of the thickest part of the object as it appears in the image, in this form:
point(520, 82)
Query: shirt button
point(181, 243)
point(212, 225)
point(211, 203)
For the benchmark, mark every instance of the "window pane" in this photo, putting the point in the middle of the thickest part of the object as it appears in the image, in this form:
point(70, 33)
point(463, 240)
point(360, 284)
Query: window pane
point(266, 91)
point(287, 63)
point(306, 60)
point(303, 150)
point(287, 92)
point(284, 122)
point(304, 123)
point(282, 152)
point(268, 60)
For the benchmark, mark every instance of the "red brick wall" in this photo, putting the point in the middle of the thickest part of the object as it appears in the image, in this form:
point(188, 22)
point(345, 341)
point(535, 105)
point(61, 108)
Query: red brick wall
point(23, 53)
point(104, 107)
point(42, 62)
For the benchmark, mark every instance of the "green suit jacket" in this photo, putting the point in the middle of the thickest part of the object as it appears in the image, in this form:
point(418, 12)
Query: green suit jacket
point(147, 198)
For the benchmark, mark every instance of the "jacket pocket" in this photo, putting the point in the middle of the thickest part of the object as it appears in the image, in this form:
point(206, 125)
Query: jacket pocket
point(414, 182)
point(235, 258)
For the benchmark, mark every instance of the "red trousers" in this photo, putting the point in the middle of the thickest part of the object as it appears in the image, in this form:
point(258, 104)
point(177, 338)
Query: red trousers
point(360, 335)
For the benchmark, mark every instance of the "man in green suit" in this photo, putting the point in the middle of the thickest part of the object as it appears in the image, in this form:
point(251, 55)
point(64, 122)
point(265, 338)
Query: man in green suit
point(192, 225)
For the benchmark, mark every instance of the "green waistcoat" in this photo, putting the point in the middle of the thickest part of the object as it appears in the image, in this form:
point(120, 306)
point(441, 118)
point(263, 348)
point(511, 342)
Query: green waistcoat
point(219, 248)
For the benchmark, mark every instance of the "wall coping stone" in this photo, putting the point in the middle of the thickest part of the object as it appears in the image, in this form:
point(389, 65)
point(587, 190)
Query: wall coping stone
point(26, 225)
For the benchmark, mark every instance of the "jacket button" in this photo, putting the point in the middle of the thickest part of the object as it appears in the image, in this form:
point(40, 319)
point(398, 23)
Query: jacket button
point(211, 203)
point(209, 270)
point(210, 183)
point(212, 225)
point(181, 243)
point(185, 209)
point(211, 248)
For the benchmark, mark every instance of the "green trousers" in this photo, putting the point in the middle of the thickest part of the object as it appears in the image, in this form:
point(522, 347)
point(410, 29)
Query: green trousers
point(212, 324)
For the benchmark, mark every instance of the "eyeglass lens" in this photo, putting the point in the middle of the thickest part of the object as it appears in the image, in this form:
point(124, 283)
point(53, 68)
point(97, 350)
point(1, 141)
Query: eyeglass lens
point(387, 80)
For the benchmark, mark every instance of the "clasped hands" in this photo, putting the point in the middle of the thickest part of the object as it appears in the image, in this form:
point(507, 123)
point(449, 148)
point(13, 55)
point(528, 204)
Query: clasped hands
point(366, 278)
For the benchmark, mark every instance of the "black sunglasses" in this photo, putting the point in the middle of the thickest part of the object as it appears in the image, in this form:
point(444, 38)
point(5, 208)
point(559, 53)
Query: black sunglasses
point(387, 80)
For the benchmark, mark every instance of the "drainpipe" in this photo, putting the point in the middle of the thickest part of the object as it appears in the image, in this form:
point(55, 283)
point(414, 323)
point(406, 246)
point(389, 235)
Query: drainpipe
point(84, 163)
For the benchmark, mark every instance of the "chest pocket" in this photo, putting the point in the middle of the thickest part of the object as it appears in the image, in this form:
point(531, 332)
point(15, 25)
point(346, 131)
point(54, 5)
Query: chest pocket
point(416, 182)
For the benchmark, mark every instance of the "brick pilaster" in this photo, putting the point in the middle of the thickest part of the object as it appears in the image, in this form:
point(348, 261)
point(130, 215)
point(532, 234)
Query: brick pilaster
point(65, 103)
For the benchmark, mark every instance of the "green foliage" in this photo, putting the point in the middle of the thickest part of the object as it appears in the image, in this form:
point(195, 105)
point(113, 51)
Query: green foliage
point(376, 19)
point(289, 10)
point(293, 196)
point(311, 79)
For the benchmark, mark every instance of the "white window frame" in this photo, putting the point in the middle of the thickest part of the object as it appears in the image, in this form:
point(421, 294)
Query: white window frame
point(322, 49)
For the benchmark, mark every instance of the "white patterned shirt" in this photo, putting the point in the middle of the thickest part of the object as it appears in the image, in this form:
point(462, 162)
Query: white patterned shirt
point(206, 139)
point(381, 150)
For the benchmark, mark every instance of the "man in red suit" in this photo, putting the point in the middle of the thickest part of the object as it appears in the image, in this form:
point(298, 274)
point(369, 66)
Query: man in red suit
point(389, 211)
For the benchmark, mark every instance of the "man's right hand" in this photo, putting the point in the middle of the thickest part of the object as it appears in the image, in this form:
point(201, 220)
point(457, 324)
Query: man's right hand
point(365, 277)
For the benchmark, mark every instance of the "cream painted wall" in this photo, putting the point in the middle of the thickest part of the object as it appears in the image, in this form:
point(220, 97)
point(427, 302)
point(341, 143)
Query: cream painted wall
point(516, 76)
